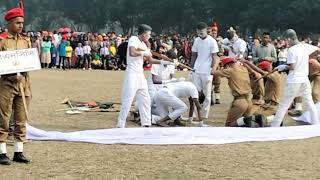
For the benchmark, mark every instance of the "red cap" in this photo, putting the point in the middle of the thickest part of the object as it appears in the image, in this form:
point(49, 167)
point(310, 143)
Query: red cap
point(227, 60)
point(3, 35)
point(264, 65)
point(214, 27)
point(13, 13)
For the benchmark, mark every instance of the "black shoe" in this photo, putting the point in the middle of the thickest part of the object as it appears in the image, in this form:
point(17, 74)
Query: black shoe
point(259, 120)
point(217, 101)
point(295, 113)
point(248, 122)
point(4, 160)
point(20, 158)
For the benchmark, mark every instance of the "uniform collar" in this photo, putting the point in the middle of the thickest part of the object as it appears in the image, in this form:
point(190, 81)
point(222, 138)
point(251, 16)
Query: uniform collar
point(10, 36)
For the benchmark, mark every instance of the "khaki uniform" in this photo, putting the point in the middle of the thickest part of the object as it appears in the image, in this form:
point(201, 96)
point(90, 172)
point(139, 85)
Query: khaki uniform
point(258, 90)
point(10, 96)
point(314, 76)
point(272, 94)
point(239, 83)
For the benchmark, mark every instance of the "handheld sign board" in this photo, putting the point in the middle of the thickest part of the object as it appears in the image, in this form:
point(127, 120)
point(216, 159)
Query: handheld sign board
point(17, 61)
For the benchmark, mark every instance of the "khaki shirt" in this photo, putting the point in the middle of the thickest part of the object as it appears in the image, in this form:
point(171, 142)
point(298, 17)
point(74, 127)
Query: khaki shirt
point(15, 43)
point(314, 69)
point(258, 90)
point(273, 87)
point(238, 80)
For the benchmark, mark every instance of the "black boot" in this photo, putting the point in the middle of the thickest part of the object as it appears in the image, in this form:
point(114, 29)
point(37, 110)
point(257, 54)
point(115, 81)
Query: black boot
point(20, 158)
point(217, 101)
point(4, 160)
point(248, 122)
point(259, 120)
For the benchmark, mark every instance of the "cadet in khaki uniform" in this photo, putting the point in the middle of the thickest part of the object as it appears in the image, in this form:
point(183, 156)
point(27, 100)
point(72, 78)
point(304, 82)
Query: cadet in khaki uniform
point(258, 90)
point(314, 76)
point(239, 83)
point(272, 91)
point(10, 96)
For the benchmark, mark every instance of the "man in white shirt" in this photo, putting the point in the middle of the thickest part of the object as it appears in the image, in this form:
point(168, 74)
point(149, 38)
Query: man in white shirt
point(169, 97)
point(79, 55)
point(87, 55)
point(298, 83)
point(235, 46)
point(135, 83)
point(104, 52)
point(204, 59)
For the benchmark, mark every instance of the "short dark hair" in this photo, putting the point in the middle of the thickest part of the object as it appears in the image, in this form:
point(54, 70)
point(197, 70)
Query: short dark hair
point(171, 54)
point(266, 34)
point(202, 25)
point(143, 28)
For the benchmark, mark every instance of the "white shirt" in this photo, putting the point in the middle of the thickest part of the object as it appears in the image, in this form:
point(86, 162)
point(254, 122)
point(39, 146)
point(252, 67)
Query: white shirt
point(298, 55)
point(159, 70)
point(238, 47)
point(135, 64)
point(183, 89)
point(79, 51)
point(204, 48)
point(86, 49)
point(104, 51)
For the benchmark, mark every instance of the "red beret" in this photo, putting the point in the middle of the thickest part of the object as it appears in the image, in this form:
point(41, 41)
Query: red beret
point(214, 27)
point(3, 35)
point(13, 13)
point(264, 65)
point(227, 60)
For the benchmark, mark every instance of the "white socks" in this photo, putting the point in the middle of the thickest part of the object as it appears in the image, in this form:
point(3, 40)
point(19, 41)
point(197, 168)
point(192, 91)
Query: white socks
point(18, 147)
point(3, 148)
point(270, 119)
point(240, 121)
point(298, 107)
point(217, 96)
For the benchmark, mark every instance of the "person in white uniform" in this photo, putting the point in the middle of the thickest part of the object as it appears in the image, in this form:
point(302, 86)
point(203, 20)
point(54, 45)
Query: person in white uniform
point(169, 106)
point(297, 83)
point(161, 74)
point(135, 83)
point(204, 59)
point(235, 46)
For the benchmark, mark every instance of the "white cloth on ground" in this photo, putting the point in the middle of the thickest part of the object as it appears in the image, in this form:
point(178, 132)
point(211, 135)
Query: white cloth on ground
point(179, 135)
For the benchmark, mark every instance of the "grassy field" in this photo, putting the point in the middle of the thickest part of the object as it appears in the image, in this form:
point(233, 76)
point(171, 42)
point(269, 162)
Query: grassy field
point(65, 160)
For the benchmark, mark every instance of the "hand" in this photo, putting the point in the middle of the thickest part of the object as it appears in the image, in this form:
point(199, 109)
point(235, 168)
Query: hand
point(213, 72)
point(19, 78)
point(281, 68)
point(162, 62)
point(176, 62)
point(146, 53)
point(191, 75)
point(182, 79)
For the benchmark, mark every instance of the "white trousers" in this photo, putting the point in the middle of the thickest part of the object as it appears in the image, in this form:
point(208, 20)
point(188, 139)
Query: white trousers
point(203, 83)
point(165, 100)
point(135, 85)
point(291, 91)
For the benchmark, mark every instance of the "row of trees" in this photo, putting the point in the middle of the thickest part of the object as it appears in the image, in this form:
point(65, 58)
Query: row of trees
point(172, 15)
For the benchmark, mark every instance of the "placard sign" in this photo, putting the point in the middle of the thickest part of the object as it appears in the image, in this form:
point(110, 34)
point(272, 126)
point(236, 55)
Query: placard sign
point(16, 61)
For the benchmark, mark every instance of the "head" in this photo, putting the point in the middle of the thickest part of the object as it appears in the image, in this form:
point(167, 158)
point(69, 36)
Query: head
point(265, 66)
point(202, 30)
point(266, 38)
point(15, 20)
point(144, 32)
point(231, 34)
point(79, 44)
point(291, 37)
point(227, 62)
